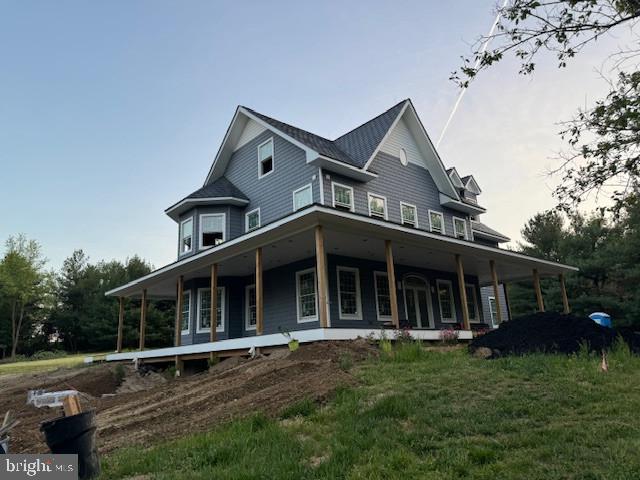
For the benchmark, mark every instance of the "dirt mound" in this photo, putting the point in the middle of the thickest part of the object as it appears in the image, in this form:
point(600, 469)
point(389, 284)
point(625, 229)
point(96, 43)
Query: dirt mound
point(551, 333)
point(164, 410)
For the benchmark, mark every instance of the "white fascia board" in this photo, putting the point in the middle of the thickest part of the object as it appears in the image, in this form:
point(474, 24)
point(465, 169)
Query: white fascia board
point(473, 186)
point(498, 238)
point(342, 168)
point(386, 135)
point(175, 210)
point(449, 202)
point(224, 145)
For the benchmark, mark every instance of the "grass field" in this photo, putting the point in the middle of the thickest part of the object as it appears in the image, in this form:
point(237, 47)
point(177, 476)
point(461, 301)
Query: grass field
point(426, 414)
point(34, 366)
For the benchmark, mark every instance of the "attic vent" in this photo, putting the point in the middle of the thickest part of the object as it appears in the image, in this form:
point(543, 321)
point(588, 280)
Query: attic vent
point(403, 157)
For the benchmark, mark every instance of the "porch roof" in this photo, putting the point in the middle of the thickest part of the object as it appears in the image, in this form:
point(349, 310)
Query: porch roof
point(347, 234)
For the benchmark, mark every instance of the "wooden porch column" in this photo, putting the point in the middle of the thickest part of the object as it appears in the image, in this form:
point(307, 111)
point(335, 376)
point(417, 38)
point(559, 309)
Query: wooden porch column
point(120, 325)
point(496, 291)
point(391, 277)
point(463, 293)
point(214, 302)
point(179, 311)
point(143, 317)
point(563, 291)
point(259, 297)
point(536, 287)
point(321, 272)
point(506, 299)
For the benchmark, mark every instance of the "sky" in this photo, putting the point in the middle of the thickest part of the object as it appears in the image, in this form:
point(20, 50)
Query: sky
point(112, 111)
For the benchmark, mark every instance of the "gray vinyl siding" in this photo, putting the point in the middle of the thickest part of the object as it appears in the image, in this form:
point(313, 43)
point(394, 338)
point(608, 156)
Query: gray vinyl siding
point(231, 219)
point(274, 192)
point(410, 184)
point(487, 292)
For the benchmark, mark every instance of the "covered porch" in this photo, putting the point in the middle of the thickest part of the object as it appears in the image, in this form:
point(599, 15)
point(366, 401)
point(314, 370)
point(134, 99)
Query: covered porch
point(322, 274)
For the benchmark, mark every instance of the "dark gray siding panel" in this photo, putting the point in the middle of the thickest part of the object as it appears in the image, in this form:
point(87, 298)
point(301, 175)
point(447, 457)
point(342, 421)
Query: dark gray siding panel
point(487, 292)
point(232, 218)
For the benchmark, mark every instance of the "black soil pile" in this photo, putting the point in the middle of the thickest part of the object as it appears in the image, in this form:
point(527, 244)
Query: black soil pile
point(551, 333)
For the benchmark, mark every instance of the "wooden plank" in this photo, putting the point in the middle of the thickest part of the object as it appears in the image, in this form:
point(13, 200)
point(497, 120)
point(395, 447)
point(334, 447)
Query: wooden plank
point(259, 297)
point(538, 290)
point(496, 290)
point(120, 325)
point(71, 406)
point(321, 272)
point(178, 326)
point(563, 291)
point(463, 293)
point(391, 277)
point(214, 302)
point(143, 317)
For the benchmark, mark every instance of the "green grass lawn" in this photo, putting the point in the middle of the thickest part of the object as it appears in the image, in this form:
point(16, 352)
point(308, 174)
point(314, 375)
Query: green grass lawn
point(35, 366)
point(430, 414)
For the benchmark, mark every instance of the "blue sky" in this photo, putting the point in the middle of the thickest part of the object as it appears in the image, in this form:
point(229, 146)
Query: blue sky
point(112, 111)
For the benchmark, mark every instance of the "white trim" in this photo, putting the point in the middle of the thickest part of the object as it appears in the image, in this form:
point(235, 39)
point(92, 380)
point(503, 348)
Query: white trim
point(441, 215)
point(273, 158)
point(186, 294)
point(358, 314)
point(201, 230)
point(321, 185)
point(474, 187)
point(460, 206)
point(333, 196)
point(402, 155)
point(223, 306)
point(180, 235)
point(427, 290)
point(342, 168)
point(493, 315)
point(386, 135)
point(248, 327)
point(298, 190)
point(381, 318)
point(454, 318)
point(455, 178)
point(386, 211)
point(235, 201)
point(299, 273)
point(415, 210)
point(275, 339)
point(455, 232)
point(246, 220)
point(475, 303)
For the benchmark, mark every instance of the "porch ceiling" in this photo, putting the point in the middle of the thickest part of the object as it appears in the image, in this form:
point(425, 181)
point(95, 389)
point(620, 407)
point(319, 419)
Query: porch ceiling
point(348, 234)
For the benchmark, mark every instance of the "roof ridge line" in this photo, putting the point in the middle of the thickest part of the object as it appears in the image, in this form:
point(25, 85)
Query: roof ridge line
point(371, 119)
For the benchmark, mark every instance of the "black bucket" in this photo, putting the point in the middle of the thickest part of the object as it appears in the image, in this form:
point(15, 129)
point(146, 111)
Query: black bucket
point(75, 434)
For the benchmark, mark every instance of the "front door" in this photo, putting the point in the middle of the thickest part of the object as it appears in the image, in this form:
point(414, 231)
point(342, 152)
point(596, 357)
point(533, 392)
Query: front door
point(416, 298)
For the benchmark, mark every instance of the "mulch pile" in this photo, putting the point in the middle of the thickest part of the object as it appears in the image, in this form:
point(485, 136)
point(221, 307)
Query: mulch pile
point(550, 333)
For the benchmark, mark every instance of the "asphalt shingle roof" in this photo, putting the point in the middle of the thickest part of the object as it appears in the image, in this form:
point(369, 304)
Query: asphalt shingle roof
point(482, 228)
point(222, 187)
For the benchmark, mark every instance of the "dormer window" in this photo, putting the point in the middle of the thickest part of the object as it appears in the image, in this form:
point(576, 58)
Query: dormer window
point(265, 158)
point(212, 227)
point(460, 228)
point(186, 235)
point(342, 196)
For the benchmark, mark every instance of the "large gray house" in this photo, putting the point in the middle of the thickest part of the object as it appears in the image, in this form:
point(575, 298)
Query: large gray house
point(329, 239)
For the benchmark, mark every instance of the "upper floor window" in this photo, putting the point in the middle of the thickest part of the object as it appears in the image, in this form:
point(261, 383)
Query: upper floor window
point(265, 158)
point(342, 196)
point(403, 157)
point(409, 214)
point(212, 226)
point(186, 235)
point(377, 206)
point(252, 220)
point(459, 228)
point(349, 293)
point(302, 197)
point(436, 221)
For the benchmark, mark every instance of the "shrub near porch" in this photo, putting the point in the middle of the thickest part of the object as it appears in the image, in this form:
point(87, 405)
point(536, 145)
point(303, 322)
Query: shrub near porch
point(431, 414)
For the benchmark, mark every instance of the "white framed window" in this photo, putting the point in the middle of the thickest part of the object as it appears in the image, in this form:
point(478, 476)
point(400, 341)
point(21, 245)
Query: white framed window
point(377, 206)
point(492, 310)
point(204, 310)
point(252, 220)
point(212, 229)
point(403, 157)
point(185, 315)
point(342, 196)
point(302, 197)
point(446, 302)
point(409, 214)
point(460, 228)
point(265, 158)
point(436, 221)
point(250, 307)
point(186, 235)
point(349, 297)
point(306, 295)
point(383, 296)
point(472, 303)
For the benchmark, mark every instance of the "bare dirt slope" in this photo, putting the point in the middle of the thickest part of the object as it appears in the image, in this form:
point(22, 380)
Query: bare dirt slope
point(145, 410)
